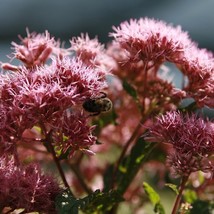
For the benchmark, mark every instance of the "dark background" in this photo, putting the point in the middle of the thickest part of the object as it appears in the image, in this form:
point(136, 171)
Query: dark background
point(67, 18)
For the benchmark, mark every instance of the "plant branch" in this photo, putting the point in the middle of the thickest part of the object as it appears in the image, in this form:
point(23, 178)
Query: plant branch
point(48, 141)
point(56, 160)
point(178, 198)
point(78, 174)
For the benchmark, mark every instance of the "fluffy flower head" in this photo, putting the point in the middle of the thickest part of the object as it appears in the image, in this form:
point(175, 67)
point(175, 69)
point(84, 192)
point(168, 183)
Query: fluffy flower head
point(26, 187)
point(148, 39)
point(191, 137)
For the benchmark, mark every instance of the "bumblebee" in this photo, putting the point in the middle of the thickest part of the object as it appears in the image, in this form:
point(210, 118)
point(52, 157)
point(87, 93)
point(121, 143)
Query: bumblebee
point(98, 105)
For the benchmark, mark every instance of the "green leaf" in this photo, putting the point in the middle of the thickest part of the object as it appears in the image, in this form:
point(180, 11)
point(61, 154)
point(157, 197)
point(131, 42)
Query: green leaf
point(154, 198)
point(65, 203)
point(130, 90)
point(99, 202)
point(96, 202)
point(199, 207)
point(132, 163)
point(188, 108)
point(190, 196)
point(172, 187)
point(107, 177)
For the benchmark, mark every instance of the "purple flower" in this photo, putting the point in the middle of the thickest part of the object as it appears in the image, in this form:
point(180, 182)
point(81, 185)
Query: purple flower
point(198, 65)
point(26, 187)
point(191, 137)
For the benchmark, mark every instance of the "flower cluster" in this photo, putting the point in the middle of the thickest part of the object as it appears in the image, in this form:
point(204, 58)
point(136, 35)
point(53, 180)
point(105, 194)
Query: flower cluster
point(142, 46)
point(192, 140)
point(47, 99)
point(72, 133)
point(51, 107)
point(40, 95)
point(26, 187)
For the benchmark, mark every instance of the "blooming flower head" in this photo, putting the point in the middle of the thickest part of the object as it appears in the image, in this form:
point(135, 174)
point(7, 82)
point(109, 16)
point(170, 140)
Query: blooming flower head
point(148, 39)
point(92, 53)
point(71, 133)
point(198, 66)
point(26, 187)
point(145, 44)
point(87, 49)
point(191, 137)
point(34, 50)
point(42, 95)
point(51, 88)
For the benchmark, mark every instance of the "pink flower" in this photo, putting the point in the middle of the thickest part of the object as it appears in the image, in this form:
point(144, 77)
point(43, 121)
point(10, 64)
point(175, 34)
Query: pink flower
point(35, 49)
point(26, 187)
point(147, 39)
point(72, 133)
point(198, 65)
point(87, 49)
point(41, 94)
point(191, 137)
point(143, 45)
point(92, 53)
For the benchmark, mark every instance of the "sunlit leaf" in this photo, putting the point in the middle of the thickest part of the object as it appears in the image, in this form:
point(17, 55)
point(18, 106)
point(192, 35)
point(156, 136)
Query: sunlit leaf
point(172, 187)
point(189, 196)
point(154, 198)
point(132, 163)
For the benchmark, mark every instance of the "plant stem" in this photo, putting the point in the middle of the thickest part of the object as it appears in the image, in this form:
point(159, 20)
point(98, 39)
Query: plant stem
point(178, 198)
point(78, 174)
point(56, 160)
point(48, 141)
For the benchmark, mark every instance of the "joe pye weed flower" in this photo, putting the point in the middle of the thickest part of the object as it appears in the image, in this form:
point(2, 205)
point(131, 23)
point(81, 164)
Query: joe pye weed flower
point(43, 121)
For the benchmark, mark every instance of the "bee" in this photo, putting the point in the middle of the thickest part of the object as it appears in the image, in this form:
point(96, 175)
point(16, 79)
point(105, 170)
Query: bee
point(98, 105)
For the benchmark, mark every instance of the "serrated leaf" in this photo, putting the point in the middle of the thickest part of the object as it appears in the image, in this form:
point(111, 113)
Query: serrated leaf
point(154, 198)
point(131, 164)
point(99, 201)
point(172, 187)
point(65, 203)
point(94, 202)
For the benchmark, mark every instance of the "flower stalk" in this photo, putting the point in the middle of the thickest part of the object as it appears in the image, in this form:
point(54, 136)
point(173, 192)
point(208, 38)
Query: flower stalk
point(179, 196)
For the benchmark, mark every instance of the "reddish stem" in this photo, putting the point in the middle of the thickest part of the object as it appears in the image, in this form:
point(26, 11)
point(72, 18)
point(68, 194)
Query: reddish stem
point(48, 140)
point(178, 198)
